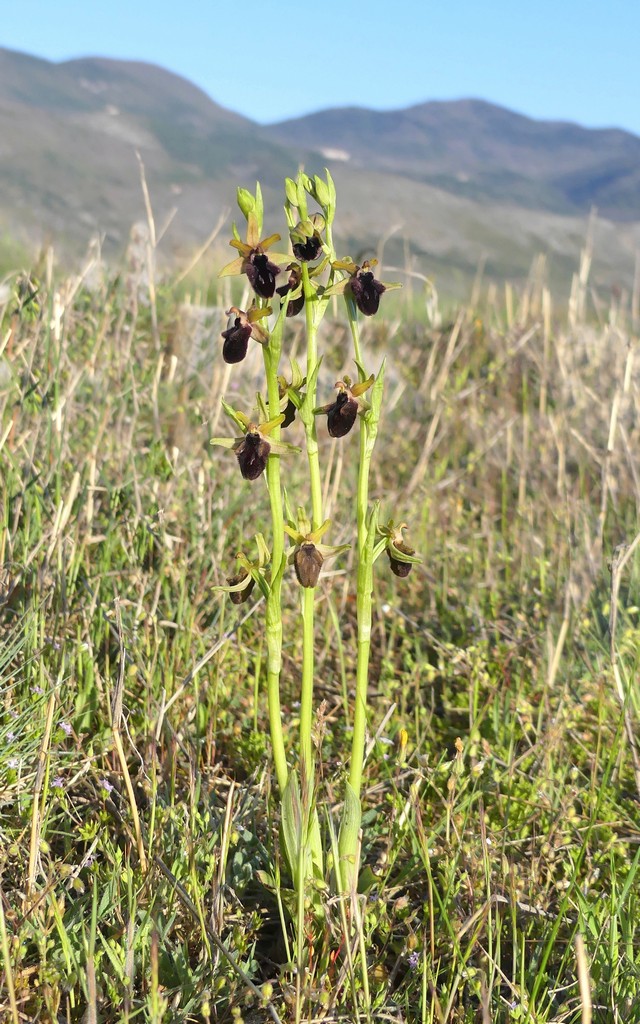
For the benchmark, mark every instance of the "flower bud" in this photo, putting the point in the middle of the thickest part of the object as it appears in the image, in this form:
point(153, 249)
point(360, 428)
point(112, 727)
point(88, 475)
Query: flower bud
point(246, 202)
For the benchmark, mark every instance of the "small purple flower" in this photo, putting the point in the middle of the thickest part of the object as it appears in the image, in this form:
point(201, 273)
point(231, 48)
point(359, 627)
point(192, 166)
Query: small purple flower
point(106, 785)
point(58, 782)
point(37, 689)
point(414, 960)
point(11, 735)
point(66, 728)
point(14, 762)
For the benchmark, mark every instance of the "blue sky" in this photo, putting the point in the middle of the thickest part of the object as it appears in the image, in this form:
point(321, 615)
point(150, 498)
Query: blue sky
point(565, 60)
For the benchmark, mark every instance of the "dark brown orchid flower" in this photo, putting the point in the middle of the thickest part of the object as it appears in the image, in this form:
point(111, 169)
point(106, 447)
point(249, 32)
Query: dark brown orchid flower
point(308, 562)
point(366, 290)
point(289, 411)
point(240, 585)
point(288, 390)
point(240, 596)
point(252, 454)
point(361, 285)
point(401, 555)
point(398, 568)
point(308, 250)
point(341, 414)
point(293, 285)
point(240, 327)
point(309, 553)
point(254, 447)
point(261, 269)
point(261, 272)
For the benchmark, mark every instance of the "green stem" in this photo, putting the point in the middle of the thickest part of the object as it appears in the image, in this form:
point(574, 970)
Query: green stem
point(308, 417)
point(274, 610)
point(362, 498)
point(363, 612)
point(308, 595)
point(306, 693)
point(367, 525)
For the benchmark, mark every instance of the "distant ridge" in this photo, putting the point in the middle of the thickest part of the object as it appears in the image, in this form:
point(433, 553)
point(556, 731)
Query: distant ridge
point(473, 148)
point(460, 182)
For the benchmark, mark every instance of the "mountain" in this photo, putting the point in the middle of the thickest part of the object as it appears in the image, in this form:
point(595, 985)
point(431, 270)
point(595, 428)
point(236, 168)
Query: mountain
point(475, 149)
point(456, 184)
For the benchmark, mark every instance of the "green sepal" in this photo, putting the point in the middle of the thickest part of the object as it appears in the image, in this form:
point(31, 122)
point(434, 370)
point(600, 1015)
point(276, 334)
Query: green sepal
point(235, 267)
point(224, 442)
point(236, 417)
point(297, 376)
point(402, 556)
point(283, 448)
point(264, 555)
point(336, 289)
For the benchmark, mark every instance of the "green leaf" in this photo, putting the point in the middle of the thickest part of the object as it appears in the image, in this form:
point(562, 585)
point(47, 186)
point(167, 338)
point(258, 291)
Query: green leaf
point(375, 397)
point(315, 849)
point(267, 880)
point(291, 826)
point(348, 838)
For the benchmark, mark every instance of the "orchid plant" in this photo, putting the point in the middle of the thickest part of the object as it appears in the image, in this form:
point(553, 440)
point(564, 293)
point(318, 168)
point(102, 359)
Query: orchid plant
point(312, 275)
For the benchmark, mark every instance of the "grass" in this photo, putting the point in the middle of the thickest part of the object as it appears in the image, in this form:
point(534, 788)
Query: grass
point(139, 868)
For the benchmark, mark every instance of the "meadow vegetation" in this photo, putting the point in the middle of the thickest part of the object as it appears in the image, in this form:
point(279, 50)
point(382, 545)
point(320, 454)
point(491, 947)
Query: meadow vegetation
point(141, 877)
